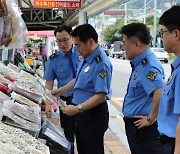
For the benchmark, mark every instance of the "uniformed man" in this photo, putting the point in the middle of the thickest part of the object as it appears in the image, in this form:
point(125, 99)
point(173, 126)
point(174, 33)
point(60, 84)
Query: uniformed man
point(91, 89)
point(62, 65)
point(141, 102)
point(169, 111)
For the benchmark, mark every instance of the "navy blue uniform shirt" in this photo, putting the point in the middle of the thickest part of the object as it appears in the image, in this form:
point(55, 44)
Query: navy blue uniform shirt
point(147, 76)
point(170, 102)
point(93, 76)
point(59, 67)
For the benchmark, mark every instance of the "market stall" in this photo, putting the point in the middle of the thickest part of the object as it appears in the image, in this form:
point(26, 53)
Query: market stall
point(22, 95)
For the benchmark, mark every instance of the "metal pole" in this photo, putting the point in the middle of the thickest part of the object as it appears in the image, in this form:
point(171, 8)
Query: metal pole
point(82, 17)
point(144, 11)
point(155, 25)
point(125, 16)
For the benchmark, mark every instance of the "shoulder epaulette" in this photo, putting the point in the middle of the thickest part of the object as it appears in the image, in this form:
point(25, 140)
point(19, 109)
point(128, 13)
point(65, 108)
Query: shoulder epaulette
point(53, 55)
point(98, 58)
point(144, 62)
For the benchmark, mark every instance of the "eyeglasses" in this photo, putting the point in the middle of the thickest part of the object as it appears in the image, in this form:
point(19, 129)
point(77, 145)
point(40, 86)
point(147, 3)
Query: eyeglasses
point(63, 40)
point(163, 31)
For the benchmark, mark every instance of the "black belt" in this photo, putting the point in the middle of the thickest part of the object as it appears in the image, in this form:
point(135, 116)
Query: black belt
point(165, 139)
point(130, 120)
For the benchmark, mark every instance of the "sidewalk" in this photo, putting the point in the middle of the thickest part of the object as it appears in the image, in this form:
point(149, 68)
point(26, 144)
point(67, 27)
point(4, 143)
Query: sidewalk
point(115, 141)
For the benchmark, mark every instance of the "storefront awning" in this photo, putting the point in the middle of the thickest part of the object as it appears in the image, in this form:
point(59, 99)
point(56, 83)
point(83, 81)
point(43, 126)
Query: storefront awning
point(41, 33)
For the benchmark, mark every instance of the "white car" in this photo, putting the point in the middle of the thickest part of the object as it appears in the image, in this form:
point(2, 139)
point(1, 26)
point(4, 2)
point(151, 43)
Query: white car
point(161, 54)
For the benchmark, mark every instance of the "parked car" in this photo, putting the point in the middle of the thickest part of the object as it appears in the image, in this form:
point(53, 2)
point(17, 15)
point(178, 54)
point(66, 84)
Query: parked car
point(117, 51)
point(124, 56)
point(161, 54)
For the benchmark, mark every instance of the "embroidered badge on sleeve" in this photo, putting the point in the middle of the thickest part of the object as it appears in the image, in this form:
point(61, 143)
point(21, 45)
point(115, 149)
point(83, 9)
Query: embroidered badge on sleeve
point(151, 75)
point(102, 73)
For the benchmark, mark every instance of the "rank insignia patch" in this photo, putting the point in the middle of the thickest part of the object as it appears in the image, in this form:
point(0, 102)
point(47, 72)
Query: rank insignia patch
point(102, 73)
point(151, 75)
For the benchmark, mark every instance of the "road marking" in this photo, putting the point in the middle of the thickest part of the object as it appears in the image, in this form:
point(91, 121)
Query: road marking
point(117, 102)
point(121, 99)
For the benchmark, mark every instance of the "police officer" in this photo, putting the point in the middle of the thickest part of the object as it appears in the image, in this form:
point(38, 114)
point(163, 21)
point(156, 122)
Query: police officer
point(62, 65)
point(91, 89)
point(169, 111)
point(141, 102)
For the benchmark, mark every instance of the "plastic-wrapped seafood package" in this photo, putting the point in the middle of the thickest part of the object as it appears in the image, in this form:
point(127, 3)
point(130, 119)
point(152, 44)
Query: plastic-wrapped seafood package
point(4, 80)
point(23, 100)
point(32, 114)
point(14, 140)
point(4, 88)
point(37, 98)
point(3, 97)
point(55, 137)
point(26, 80)
point(23, 123)
point(8, 73)
point(49, 96)
point(14, 67)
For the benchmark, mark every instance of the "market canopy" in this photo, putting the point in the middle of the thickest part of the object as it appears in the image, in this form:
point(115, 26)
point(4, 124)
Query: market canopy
point(41, 33)
point(49, 14)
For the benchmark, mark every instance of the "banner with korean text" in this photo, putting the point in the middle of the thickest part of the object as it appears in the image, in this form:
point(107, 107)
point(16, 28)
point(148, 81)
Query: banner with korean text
point(64, 4)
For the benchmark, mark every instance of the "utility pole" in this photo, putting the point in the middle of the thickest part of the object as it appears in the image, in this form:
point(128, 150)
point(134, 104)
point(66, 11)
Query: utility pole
point(144, 11)
point(125, 16)
point(155, 24)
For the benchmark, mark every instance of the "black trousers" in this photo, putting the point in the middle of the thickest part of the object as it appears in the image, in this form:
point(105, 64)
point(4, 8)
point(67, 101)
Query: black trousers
point(68, 123)
point(144, 140)
point(167, 144)
point(90, 128)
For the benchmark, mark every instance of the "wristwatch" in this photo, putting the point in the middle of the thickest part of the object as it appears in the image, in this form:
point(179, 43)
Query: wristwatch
point(150, 120)
point(80, 110)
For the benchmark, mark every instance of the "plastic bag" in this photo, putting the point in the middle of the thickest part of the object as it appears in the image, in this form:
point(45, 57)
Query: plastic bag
point(52, 98)
point(28, 94)
point(55, 137)
point(15, 32)
point(28, 117)
point(23, 100)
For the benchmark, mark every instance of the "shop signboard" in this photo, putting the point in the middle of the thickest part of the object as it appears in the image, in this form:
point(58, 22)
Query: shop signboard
point(64, 4)
point(114, 13)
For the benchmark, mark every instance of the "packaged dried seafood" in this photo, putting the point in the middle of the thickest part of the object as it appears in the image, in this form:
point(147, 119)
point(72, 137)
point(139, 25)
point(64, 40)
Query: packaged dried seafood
point(28, 81)
point(14, 140)
point(23, 100)
point(14, 67)
point(3, 97)
point(7, 72)
point(48, 95)
point(4, 80)
point(4, 88)
point(31, 114)
point(24, 124)
point(55, 137)
point(37, 98)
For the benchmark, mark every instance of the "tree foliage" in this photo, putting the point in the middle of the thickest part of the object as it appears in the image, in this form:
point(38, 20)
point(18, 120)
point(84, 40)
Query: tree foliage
point(111, 31)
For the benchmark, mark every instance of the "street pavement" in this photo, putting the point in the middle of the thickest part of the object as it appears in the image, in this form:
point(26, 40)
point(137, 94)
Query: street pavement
point(115, 139)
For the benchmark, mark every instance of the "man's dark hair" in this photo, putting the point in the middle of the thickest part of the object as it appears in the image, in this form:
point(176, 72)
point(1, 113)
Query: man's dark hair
point(138, 30)
point(61, 28)
point(170, 18)
point(85, 32)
